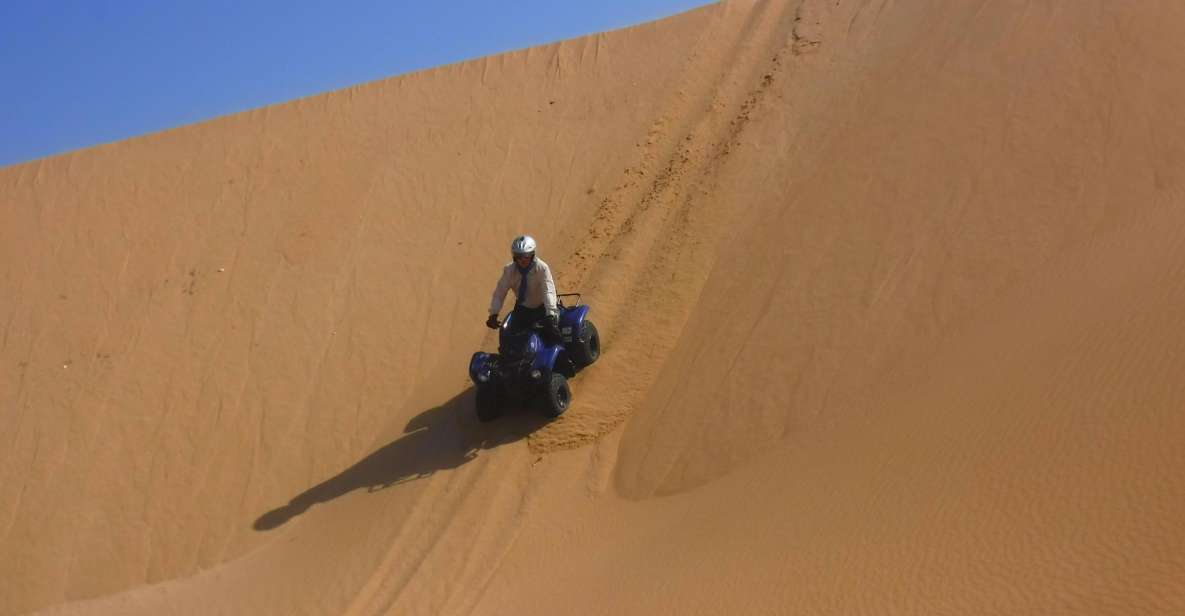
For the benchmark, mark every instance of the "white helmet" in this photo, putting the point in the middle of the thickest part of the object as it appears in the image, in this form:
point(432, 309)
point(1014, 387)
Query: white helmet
point(523, 245)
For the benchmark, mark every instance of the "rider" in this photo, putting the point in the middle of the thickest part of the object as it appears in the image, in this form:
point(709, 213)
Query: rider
point(534, 291)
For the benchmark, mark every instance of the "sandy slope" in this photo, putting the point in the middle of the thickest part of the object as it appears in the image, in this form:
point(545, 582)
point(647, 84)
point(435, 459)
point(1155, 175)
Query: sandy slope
point(888, 291)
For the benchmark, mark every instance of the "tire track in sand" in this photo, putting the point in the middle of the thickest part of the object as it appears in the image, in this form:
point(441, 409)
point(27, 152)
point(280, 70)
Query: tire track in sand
point(652, 241)
point(649, 248)
point(456, 532)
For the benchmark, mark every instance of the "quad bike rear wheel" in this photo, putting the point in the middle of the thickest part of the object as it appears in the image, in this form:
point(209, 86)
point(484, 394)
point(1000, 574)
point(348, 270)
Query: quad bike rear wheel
point(586, 347)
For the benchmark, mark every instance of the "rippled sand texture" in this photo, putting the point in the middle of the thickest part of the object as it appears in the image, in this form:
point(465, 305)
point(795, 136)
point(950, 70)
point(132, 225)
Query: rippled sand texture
point(890, 295)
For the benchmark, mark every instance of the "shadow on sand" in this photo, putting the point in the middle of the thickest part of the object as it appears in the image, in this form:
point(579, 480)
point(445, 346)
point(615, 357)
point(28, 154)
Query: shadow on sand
point(441, 438)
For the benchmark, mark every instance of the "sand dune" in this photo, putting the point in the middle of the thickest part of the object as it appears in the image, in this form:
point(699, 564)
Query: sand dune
point(887, 290)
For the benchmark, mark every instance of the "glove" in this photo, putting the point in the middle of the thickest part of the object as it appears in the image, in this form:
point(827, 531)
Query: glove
point(492, 322)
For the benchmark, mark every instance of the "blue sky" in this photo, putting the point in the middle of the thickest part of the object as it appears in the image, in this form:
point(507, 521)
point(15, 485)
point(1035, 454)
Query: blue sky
point(80, 73)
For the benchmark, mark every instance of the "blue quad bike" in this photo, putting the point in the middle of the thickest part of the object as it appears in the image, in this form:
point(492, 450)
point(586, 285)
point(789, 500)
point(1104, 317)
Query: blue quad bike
point(526, 369)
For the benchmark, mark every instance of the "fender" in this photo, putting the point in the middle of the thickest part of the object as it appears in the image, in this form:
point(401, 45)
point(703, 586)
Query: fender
point(571, 320)
point(545, 360)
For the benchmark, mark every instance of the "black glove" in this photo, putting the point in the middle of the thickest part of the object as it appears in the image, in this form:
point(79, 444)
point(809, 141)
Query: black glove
point(492, 322)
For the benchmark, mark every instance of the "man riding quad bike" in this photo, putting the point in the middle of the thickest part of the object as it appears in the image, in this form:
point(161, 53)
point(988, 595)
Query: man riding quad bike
point(541, 344)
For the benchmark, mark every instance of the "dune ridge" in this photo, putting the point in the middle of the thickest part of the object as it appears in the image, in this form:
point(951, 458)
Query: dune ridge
point(887, 290)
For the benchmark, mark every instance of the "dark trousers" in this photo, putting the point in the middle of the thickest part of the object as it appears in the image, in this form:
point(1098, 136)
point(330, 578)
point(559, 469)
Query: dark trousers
point(525, 318)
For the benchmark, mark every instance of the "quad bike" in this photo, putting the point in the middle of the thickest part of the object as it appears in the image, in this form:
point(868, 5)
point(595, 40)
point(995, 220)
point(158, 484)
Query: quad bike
point(528, 369)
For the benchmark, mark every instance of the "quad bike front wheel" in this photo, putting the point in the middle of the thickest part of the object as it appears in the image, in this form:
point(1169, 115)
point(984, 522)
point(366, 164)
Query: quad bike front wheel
point(488, 404)
point(556, 396)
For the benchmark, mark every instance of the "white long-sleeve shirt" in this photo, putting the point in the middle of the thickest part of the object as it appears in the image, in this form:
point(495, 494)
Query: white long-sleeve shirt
point(540, 287)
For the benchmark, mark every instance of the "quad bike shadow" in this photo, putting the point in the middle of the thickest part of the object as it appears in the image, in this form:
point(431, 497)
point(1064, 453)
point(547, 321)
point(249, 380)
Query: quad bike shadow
point(441, 438)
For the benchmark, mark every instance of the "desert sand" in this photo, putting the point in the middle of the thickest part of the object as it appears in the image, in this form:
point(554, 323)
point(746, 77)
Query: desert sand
point(890, 294)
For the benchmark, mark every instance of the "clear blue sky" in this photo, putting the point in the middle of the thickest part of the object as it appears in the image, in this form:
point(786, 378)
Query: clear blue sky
point(75, 73)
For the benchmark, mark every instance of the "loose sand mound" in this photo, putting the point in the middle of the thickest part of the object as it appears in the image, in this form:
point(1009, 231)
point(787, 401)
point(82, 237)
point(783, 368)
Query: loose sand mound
point(888, 290)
